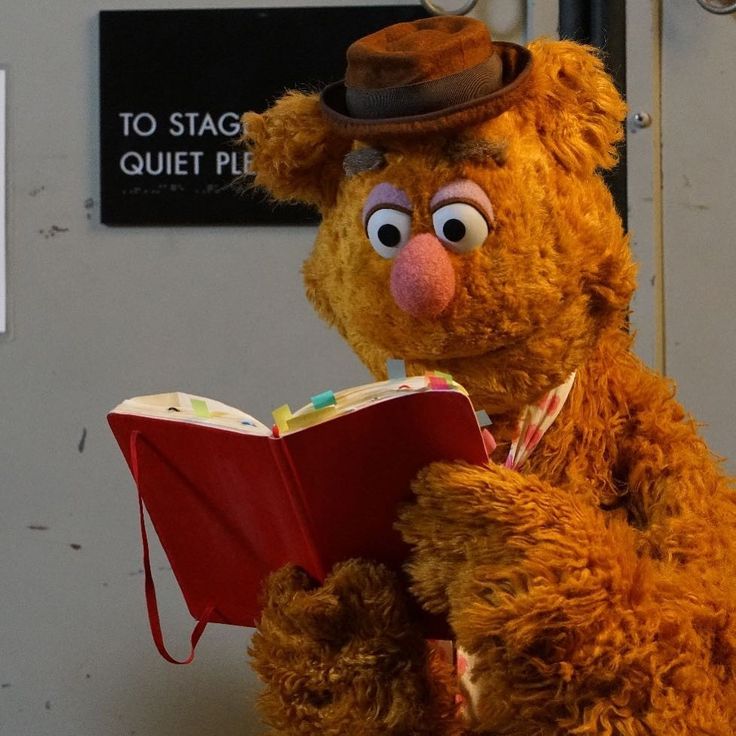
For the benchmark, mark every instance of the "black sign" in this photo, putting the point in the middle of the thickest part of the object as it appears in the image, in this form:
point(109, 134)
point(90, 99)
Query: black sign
point(173, 84)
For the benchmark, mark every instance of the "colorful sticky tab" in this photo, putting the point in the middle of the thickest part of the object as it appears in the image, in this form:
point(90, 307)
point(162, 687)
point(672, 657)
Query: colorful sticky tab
point(313, 417)
point(199, 407)
point(396, 369)
point(437, 383)
point(483, 419)
point(489, 441)
point(281, 416)
point(326, 398)
point(446, 376)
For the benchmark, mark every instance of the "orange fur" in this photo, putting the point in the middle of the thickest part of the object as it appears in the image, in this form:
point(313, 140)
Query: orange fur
point(336, 666)
point(295, 156)
point(595, 586)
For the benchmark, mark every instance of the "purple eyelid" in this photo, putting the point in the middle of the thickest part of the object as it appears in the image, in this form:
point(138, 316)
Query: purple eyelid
point(463, 191)
point(386, 195)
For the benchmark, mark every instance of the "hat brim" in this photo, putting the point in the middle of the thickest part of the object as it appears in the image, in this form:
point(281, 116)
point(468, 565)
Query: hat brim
point(517, 63)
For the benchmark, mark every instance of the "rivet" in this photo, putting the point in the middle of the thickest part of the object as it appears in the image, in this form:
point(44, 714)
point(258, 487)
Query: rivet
point(642, 119)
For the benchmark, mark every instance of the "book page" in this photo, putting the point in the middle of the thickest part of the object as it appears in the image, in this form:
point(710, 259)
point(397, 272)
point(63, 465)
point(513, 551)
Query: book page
point(330, 405)
point(182, 407)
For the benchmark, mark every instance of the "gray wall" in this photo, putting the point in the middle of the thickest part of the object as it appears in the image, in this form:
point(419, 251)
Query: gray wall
point(97, 315)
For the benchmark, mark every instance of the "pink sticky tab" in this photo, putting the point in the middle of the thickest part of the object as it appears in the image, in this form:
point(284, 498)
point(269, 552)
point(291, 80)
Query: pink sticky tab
point(436, 383)
point(488, 440)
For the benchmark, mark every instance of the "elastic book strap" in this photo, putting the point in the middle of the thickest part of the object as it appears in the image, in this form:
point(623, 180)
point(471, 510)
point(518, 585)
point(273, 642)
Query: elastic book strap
point(154, 619)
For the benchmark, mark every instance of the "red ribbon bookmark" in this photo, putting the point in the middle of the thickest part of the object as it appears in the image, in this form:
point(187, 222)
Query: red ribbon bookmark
point(154, 619)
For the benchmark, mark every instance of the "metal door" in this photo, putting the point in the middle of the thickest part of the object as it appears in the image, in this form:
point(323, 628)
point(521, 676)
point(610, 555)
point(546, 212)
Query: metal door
point(682, 209)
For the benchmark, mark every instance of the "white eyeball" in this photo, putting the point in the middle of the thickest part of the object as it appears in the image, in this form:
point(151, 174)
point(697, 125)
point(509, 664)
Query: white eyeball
point(460, 226)
point(388, 229)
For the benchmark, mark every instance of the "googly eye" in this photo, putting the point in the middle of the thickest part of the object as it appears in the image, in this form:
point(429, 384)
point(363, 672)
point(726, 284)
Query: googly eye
point(460, 226)
point(388, 229)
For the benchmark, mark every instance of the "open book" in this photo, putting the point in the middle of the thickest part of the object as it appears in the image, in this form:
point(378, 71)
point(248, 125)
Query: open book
point(233, 499)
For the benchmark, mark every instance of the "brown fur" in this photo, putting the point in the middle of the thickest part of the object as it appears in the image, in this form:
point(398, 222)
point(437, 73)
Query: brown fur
point(595, 587)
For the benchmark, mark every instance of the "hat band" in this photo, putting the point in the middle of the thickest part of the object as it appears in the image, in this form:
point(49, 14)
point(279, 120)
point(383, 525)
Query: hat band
point(423, 97)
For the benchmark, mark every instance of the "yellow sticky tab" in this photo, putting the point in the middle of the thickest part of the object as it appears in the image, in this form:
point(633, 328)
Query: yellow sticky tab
point(281, 416)
point(199, 407)
point(312, 417)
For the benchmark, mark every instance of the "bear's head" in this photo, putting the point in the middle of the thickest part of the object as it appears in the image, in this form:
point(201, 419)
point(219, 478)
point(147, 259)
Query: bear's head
point(488, 248)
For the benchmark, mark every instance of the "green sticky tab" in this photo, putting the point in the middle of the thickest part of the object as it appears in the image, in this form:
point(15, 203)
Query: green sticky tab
point(281, 416)
point(199, 407)
point(446, 376)
point(396, 369)
point(326, 398)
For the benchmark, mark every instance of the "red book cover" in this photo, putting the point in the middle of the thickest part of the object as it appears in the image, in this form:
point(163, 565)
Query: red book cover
point(231, 502)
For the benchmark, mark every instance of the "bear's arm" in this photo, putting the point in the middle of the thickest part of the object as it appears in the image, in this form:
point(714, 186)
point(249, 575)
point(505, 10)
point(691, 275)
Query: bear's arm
point(576, 617)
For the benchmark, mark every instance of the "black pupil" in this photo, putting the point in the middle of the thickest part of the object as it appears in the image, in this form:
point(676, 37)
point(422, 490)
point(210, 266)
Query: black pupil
point(389, 235)
point(453, 230)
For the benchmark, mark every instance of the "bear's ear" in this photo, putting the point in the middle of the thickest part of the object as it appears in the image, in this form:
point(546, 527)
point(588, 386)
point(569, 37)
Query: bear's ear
point(295, 155)
point(575, 105)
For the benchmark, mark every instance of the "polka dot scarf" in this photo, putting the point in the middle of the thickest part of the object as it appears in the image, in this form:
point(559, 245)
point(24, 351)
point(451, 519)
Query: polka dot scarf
point(535, 420)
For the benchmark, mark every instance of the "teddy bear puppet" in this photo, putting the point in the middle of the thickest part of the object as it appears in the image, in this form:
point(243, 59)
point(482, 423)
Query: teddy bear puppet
point(587, 571)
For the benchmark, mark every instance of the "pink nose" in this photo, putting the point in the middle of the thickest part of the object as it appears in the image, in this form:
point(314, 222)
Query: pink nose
point(422, 277)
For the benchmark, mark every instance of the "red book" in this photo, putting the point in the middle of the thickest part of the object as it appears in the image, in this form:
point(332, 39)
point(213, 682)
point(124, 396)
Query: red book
point(231, 500)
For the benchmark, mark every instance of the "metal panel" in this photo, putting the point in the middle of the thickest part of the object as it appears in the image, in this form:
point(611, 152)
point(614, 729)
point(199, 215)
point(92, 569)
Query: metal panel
point(542, 19)
point(3, 177)
point(644, 178)
point(699, 161)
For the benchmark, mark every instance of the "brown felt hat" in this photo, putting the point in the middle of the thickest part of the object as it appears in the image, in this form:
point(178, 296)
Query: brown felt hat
point(429, 75)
